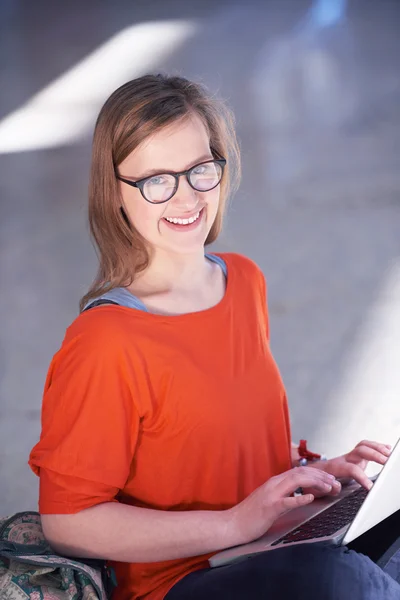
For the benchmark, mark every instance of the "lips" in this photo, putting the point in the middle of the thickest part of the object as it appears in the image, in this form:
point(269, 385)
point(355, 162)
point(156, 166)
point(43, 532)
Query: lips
point(186, 219)
point(186, 223)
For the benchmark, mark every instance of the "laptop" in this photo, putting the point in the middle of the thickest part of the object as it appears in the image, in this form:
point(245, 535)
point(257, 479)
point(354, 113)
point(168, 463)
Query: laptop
point(337, 521)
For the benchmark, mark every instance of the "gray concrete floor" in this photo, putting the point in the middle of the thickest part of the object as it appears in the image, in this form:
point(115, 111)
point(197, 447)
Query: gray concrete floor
point(316, 92)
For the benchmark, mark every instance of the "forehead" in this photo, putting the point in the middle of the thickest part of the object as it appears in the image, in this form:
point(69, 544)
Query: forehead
point(174, 147)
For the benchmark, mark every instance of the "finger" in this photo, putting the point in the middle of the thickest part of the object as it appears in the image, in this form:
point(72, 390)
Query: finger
point(312, 472)
point(290, 502)
point(356, 473)
point(370, 454)
point(305, 478)
point(335, 490)
point(383, 448)
point(298, 472)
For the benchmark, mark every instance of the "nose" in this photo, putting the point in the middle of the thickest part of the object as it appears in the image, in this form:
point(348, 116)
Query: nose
point(185, 197)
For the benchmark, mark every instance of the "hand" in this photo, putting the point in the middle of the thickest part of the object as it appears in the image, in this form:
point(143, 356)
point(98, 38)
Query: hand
point(251, 518)
point(353, 464)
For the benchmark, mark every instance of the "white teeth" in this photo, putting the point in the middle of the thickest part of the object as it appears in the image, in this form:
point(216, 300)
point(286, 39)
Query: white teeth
point(179, 221)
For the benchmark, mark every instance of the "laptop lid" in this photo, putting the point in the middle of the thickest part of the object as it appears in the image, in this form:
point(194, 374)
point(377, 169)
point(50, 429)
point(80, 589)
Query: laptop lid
point(382, 500)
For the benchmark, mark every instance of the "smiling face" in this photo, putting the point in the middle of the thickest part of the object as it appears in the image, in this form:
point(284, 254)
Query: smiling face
point(182, 224)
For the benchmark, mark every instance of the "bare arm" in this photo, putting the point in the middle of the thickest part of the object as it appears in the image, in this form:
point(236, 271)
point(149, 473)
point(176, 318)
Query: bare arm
point(125, 533)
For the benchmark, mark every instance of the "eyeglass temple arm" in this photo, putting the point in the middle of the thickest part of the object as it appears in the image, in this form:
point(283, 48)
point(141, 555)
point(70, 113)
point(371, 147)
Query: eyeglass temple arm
point(132, 183)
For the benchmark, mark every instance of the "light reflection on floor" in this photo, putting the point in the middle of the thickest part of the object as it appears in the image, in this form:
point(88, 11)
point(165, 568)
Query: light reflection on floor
point(65, 110)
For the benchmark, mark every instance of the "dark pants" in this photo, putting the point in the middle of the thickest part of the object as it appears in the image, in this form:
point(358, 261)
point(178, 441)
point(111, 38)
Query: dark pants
point(368, 571)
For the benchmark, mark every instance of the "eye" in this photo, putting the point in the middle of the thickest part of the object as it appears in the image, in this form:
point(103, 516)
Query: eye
point(156, 180)
point(202, 169)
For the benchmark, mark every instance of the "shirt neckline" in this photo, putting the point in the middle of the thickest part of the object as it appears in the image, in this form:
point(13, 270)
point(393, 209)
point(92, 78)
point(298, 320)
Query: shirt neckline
point(219, 307)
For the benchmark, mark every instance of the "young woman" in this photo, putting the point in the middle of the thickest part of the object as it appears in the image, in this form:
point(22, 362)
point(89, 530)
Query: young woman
point(165, 428)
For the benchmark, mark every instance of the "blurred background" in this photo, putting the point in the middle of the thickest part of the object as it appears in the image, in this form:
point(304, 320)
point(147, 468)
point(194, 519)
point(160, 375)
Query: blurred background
point(315, 87)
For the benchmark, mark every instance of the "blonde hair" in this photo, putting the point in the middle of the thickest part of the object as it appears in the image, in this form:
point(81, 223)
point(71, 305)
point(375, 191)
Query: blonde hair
point(131, 114)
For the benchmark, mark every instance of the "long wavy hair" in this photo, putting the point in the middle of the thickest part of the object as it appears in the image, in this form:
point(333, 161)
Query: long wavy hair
point(131, 114)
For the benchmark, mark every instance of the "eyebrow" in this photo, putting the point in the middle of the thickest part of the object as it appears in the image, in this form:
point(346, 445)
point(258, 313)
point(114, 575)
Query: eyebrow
point(152, 172)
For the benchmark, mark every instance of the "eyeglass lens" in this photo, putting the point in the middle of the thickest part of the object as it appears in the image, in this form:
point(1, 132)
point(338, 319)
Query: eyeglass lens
point(202, 178)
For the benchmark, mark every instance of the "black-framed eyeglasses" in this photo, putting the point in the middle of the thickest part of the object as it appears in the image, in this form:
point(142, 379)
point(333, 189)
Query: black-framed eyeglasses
point(203, 177)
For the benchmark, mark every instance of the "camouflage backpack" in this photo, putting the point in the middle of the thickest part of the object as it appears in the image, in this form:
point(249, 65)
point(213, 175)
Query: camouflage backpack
point(31, 570)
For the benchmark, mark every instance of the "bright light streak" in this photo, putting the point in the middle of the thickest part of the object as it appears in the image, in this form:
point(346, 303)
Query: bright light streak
point(325, 13)
point(65, 110)
point(367, 401)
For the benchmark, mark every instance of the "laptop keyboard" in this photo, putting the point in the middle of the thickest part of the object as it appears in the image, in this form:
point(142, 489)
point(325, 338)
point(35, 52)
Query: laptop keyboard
point(327, 522)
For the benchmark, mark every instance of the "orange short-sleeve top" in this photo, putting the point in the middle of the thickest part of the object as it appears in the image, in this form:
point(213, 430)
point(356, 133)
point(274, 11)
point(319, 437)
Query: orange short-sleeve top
point(182, 412)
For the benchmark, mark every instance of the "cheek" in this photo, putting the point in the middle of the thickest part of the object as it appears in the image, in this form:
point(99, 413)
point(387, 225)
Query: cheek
point(213, 202)
point(143, 215)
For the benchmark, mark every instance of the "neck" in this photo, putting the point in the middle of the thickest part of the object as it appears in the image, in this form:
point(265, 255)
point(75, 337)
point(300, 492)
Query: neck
point(169, 272)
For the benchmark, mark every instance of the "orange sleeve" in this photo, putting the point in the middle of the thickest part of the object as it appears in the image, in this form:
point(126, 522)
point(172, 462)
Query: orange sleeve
point(65, 494)
point(89, 421)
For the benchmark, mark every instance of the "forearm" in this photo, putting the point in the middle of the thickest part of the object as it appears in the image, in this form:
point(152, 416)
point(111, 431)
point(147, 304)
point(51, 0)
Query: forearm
point(125, 533)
